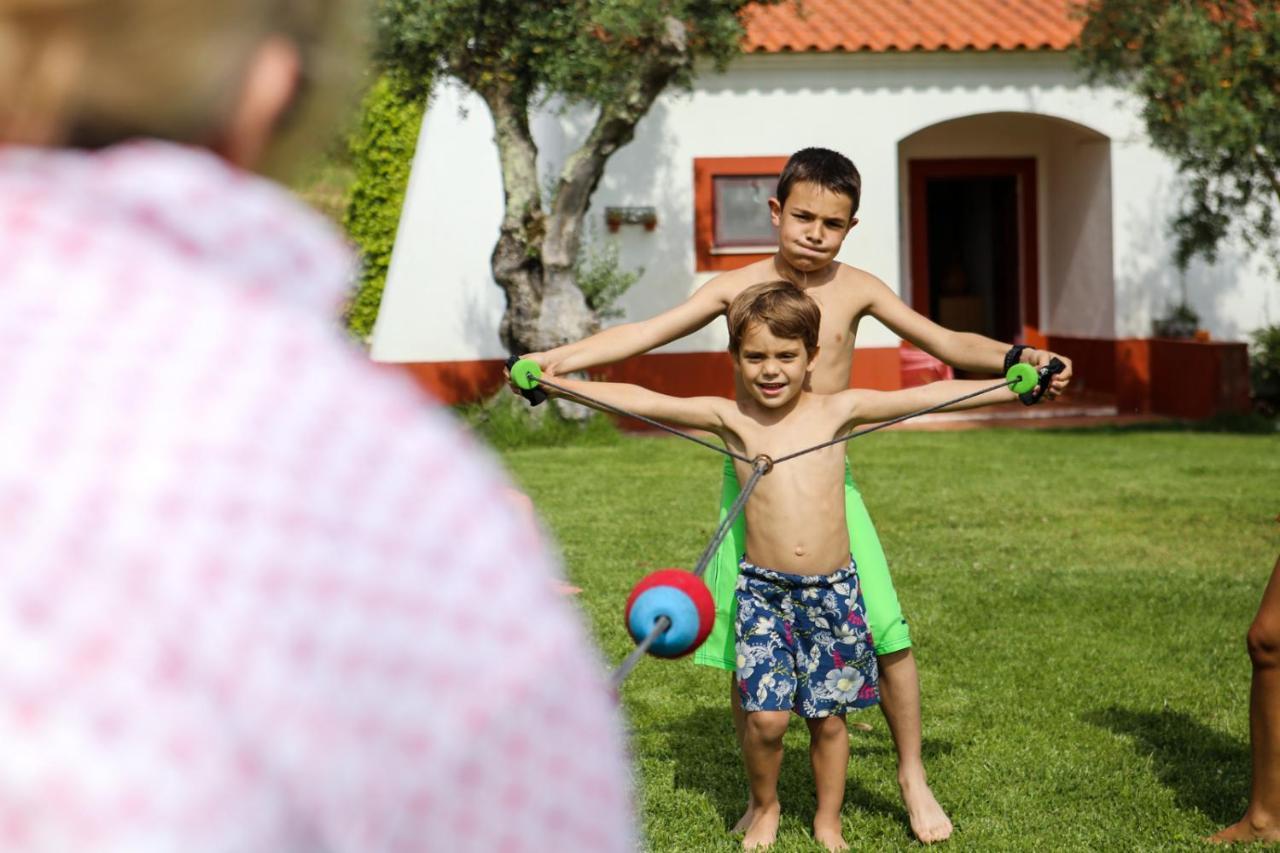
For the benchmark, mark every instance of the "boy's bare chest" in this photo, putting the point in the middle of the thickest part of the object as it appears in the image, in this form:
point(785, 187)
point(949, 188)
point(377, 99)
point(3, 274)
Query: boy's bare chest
point(795, 482)
point(800, 431)
point(840, 312)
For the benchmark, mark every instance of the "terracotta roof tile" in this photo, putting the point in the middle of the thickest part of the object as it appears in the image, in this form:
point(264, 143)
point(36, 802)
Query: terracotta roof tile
point(824, 26)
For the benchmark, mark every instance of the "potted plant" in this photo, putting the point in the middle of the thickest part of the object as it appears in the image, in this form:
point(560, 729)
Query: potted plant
point(1180, 323)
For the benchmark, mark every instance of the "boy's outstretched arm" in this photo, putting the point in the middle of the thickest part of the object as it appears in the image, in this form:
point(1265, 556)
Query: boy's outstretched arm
point(696, 412)
point(861, 406)
point(628, 339)
point(965, 350)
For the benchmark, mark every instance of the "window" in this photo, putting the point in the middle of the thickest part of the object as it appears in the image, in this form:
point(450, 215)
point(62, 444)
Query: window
point(731, 211)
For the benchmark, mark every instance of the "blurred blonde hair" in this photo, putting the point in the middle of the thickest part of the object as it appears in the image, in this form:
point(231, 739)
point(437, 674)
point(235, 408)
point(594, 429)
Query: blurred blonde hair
point(89, 73)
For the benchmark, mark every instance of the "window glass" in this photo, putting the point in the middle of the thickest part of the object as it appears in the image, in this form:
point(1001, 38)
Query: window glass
point(742, 210)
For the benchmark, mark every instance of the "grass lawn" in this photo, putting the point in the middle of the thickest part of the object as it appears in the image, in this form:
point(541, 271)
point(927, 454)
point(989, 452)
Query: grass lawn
point(1078, 602)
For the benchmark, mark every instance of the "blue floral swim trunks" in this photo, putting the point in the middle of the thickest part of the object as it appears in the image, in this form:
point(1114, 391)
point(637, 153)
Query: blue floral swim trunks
point(803, 642)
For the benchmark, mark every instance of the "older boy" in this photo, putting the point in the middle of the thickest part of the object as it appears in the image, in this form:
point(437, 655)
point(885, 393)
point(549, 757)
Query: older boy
point(801, 637)
point(817, 199)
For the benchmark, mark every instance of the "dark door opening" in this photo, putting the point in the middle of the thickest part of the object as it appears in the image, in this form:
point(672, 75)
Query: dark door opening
point(973, 254)
point(973, 245)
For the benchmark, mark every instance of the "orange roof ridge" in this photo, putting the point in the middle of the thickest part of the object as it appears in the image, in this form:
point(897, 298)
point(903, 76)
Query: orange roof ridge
point(827, 26)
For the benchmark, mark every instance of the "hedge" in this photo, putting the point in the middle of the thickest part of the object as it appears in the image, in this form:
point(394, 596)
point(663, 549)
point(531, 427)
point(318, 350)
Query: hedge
point(382, 149)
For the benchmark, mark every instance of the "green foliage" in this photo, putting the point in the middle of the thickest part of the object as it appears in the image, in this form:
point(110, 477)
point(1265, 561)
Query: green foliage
point(579, 49)
point(613, 57)
point(506, 421)
point(601, 279)
point(1207, 73)
point(325, 183)
point(1264, 369)
point(1181, 322)
point(382, 153)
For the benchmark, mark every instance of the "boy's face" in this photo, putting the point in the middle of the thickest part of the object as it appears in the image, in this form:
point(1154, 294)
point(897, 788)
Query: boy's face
point(811, 225)
point(773, 369)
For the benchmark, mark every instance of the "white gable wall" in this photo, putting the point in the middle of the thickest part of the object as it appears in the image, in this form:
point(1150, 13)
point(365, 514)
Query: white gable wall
point(441, 303)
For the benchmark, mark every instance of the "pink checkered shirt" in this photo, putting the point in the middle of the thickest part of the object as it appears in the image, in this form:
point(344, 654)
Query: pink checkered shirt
point(255, 594)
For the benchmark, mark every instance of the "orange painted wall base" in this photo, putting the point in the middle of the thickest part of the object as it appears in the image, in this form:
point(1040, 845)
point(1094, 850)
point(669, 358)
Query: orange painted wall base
point(1181, 379)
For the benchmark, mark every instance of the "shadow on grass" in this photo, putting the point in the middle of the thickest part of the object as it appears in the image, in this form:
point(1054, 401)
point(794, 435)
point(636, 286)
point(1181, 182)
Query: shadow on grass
point(1250, 424)
point(929, 749)
point(1206, 770)
point(707, 762)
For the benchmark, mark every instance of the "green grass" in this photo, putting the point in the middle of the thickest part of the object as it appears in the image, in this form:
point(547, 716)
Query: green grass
point(1078, 602)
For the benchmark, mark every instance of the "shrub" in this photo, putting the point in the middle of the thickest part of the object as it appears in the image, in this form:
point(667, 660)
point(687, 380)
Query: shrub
point(1181, 322)
point(382, 149)
point(601, 278)
point(1264, 369)
point(326, 183)
point(506, 421)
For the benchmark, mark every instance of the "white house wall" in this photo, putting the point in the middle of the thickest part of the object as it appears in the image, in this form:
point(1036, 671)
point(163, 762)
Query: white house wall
point(441, 302)
point(1078, 294)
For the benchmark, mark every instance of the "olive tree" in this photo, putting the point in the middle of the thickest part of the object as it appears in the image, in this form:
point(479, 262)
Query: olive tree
point(1208, 74)
point(612, 57)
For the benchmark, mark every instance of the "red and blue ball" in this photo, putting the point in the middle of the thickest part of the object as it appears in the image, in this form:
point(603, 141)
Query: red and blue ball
point(680, 596)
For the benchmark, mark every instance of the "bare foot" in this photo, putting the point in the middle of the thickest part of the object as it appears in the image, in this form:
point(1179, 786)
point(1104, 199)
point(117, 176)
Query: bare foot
point(745, 821)
point(1251, 827)
point(764, 829)
point(929, 823)
point(827, 833)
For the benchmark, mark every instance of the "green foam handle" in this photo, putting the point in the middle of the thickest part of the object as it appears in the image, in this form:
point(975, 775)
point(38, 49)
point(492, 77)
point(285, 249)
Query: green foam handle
point(525, 373)
point(1022, 376)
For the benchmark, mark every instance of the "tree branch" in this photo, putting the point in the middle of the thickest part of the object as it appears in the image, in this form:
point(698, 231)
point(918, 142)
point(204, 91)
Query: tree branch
point(614, 128)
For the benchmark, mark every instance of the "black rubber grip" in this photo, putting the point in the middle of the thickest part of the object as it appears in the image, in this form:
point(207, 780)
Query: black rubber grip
point(1036, 394)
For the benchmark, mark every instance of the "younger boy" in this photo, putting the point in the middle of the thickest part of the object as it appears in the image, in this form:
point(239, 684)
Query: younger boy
point(801, 635)
point(814, 210)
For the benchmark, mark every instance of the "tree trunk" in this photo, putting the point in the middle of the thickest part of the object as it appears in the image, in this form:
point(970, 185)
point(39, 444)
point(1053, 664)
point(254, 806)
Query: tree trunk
point(545, 308)
point(533, 261)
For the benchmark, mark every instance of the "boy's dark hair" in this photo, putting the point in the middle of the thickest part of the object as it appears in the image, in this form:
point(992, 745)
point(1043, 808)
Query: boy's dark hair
point(829, 169)
point(786, 310)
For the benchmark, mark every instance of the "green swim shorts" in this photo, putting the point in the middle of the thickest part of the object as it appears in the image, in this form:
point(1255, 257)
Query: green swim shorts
point(884, 614)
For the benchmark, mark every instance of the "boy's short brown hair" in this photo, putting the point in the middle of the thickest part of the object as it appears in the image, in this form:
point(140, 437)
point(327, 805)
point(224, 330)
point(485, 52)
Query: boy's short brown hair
point(829, 169)
point(786, 310)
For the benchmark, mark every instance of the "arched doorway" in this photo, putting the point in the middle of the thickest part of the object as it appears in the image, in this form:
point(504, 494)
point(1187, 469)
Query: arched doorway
point(1008, 226)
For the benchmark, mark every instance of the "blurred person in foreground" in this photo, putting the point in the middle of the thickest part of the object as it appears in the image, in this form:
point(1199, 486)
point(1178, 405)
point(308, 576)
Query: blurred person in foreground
point(254, 593)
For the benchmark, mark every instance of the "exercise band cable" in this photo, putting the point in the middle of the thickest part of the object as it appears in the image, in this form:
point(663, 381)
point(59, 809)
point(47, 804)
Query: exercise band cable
point(760, 466)
point(1023, 379)
point(624, 413)
point(851, 436)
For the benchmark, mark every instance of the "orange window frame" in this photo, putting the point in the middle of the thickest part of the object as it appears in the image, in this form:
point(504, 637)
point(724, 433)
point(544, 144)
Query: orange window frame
point(705, 170)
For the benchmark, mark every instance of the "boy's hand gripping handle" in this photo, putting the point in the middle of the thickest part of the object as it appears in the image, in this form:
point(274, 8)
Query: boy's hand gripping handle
point(1036, 394)
point(524, 373)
